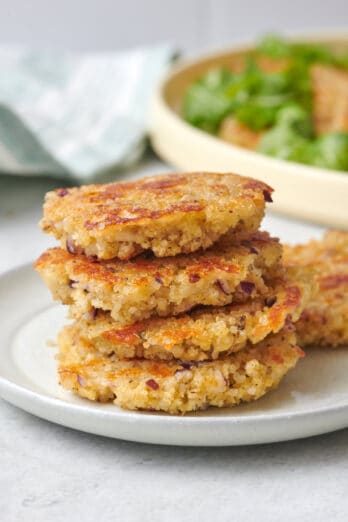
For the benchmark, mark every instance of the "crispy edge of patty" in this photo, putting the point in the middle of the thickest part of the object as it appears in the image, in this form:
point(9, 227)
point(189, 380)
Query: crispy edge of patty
point(324, 321)
point(174, 387)
point(167, 214)
point(207, 333)
point(140, 288)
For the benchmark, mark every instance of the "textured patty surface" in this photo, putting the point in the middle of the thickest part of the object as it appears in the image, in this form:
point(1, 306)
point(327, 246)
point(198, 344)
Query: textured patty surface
point(139, 288)
point(324, 321)
point(207, 333)
point(169, 214)
point(176, 387)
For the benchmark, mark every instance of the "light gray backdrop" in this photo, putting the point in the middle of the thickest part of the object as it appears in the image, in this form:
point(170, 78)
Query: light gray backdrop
point(192, 24)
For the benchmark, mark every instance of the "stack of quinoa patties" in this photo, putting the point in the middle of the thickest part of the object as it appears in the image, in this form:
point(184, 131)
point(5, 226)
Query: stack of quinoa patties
point(178, 301)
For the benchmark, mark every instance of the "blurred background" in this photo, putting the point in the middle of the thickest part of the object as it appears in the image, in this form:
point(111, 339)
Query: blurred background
point(190, 26)
point(193, 25)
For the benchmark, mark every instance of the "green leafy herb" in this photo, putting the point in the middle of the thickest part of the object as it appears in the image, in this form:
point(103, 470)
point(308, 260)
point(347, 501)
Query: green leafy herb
point(331, 151)
point(278, 103)
point(277, 47)
point(290, 137)
point(253, 96)
point(274, 46)
point(206, 102)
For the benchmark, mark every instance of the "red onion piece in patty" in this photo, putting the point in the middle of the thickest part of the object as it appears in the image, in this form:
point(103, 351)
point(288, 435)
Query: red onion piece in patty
point(267, 196)
point(151, 383)
point(251, 248)
point(247, 287)
point(72, 248)
point(269, 301)
point(186, 366)
point(223, 286)
point(81, 381)
point(62, 192)
point(93, 313)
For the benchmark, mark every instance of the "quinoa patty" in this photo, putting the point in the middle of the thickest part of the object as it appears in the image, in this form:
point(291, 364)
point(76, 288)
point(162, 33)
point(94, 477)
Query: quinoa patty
point(169, 214)
point(324, 322)
point(176, 387)
point(142, 287)
point(207, 333)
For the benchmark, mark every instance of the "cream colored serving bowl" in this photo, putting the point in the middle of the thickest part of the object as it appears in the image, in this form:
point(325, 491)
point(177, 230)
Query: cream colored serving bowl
point(312, 193)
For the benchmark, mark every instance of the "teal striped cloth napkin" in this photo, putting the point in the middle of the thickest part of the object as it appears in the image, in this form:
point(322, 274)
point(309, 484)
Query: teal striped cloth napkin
point(75, 116)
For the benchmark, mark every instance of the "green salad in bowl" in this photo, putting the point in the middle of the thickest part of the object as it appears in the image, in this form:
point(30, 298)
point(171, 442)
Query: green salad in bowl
point(286, 100)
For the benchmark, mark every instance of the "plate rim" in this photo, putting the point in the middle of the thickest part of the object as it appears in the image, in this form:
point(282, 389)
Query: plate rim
point(19, 394)
point(4, 382)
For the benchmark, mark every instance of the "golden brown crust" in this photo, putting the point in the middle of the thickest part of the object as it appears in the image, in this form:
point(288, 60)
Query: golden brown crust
point(324, 321)
point(176, 387)
point(207, 333)
point(136, 289)
point(169, 214)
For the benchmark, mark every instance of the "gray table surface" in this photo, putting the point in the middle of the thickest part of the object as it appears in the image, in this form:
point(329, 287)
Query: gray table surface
point(49, 473)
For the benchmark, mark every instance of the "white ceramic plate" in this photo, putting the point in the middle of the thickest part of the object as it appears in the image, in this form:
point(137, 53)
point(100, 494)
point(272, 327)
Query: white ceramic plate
point(313, 399)
point(301, 191)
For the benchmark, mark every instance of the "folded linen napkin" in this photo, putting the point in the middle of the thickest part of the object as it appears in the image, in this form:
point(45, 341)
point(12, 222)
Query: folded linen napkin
point(75, 116)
